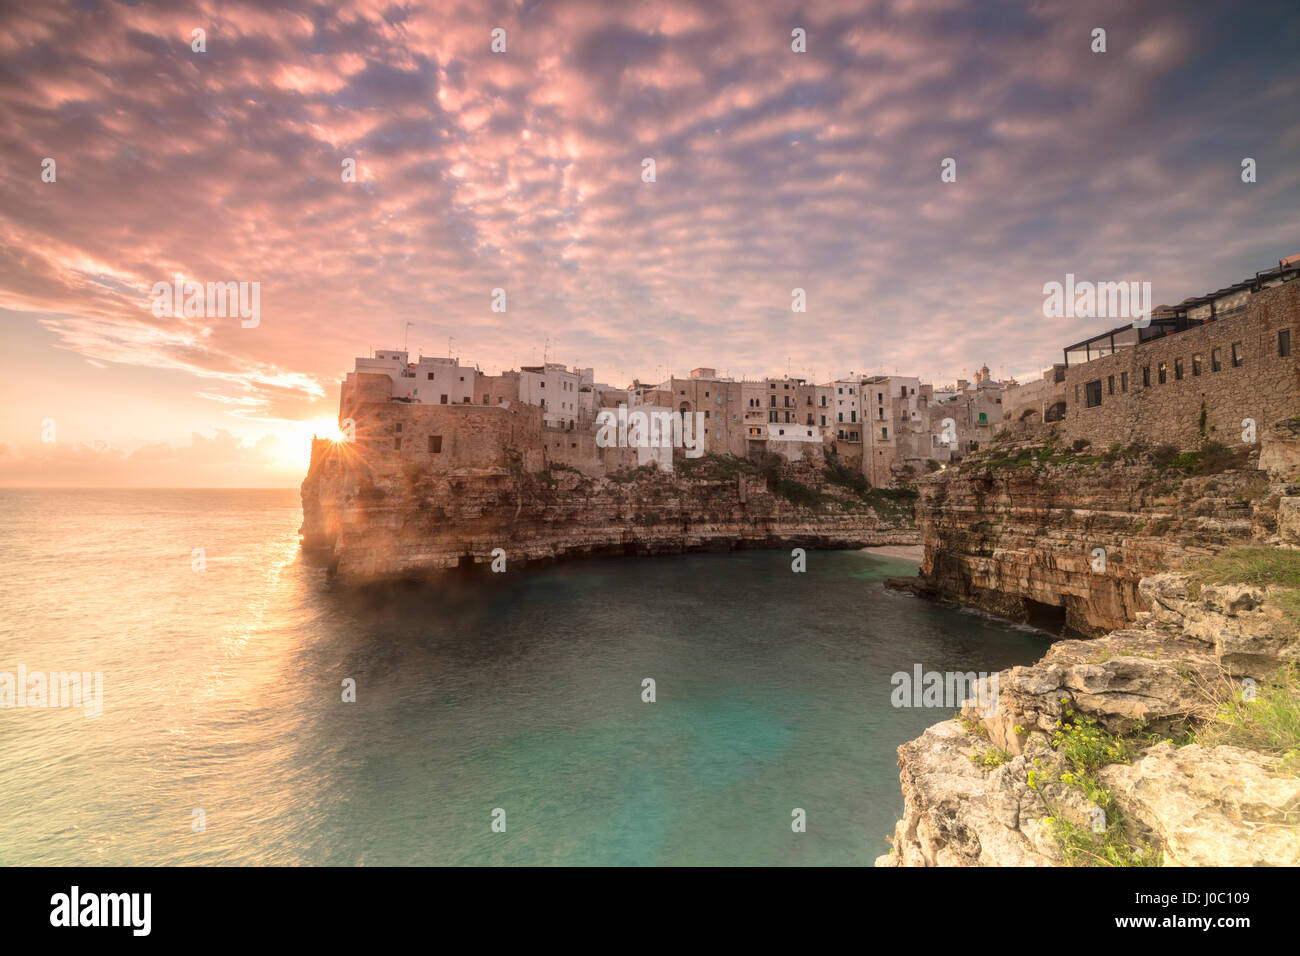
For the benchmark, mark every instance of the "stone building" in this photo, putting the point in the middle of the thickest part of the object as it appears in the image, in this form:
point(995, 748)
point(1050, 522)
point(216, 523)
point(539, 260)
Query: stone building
point(438, 437)
point(1041, 400)
point(721, 400)
point(1204, 369)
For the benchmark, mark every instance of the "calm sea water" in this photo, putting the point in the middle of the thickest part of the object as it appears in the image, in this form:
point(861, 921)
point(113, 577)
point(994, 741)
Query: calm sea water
point(522, 691)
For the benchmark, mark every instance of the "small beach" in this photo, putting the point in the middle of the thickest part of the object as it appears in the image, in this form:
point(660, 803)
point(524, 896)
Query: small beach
point(905, 552)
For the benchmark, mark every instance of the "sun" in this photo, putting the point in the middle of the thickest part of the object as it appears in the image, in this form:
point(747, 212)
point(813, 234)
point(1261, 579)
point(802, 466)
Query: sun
point(323, 428)
point(295, 447)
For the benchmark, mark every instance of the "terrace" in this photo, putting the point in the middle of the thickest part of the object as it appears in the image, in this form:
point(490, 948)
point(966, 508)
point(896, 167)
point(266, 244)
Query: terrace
point(1188, 314)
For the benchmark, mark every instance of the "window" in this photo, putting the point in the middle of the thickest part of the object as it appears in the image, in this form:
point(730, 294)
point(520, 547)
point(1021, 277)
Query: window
point(884, 433)
point(1123, 381)
point(543, 384)
point(840, 416)
point(1093, 393)
point(397, 444)
point(1216, 359)
point(840, 390)
point(444, 400)
point(1163, 374)
point(1178, 370)
point(1076, 394)
point(1197, 362)
point(1284, 343)
point(810, 418)
point(430, 376)
point(706, 394)
point(853, 416)
point(1110, 384)
point(1238, 357)
point(773, 401)
point(823, 421)
point(1146, 376)
point(780, 431)
point(435, 444)
point(984, 418)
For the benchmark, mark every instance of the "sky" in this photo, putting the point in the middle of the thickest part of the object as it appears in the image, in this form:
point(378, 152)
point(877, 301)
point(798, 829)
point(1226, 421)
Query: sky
point(523, 170)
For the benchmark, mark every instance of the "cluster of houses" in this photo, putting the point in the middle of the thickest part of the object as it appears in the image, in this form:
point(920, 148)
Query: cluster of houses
point(887, 426)
point(1197, 371)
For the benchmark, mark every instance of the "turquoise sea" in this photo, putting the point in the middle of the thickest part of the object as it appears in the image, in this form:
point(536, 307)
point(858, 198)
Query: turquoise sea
point(224, 737)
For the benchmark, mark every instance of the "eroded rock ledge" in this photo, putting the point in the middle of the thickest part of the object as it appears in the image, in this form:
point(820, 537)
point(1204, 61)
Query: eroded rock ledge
point(1017, 533)
point(371, 525)
point(1195, 805)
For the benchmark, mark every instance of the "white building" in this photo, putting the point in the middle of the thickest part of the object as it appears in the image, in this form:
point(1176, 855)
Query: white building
point(555, 389)
point(431, 380)
point(847, 399)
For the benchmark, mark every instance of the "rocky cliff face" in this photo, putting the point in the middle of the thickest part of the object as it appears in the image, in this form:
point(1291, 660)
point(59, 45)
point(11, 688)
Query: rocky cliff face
point(1191, 805)
point(1017, 532)
point(369, 524)
point(1111, 749)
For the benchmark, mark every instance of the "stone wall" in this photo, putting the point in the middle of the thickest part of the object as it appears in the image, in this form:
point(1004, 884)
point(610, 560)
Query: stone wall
point(440, 438)
point(1265, 387)
point(574, 448)
point(1031, 401)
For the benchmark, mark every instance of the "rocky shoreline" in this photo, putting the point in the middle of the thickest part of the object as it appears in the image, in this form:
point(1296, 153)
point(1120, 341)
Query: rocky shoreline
point(1108, 751)
point(1196, 805)
point(366, 525)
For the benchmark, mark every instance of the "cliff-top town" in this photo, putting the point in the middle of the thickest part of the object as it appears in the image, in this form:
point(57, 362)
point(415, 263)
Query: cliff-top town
point(1212, 366)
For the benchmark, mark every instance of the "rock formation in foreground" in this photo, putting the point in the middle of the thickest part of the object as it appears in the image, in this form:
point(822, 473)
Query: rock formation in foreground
point(1113, 751)
point(1190, 805)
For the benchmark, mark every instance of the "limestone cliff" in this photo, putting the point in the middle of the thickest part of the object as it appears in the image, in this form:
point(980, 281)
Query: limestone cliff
point(1114, 750)
point(370, 522)
point(1015, 530)
point(1191, 805)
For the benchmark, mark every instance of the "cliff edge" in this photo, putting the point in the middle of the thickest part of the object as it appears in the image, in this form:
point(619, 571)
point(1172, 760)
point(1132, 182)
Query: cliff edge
point(1174, 738)
point(367, 521)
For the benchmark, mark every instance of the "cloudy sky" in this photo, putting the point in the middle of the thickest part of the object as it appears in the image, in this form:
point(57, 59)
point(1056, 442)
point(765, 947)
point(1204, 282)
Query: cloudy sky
point(523, 170)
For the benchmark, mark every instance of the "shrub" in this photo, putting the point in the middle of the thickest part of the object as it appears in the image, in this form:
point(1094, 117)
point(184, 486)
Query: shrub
point(1162, 456)
point(1268, 722)
point(838, 473)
